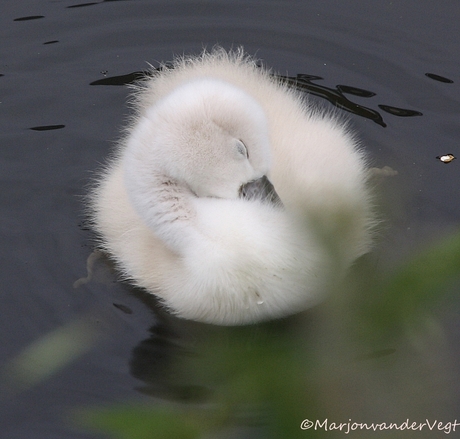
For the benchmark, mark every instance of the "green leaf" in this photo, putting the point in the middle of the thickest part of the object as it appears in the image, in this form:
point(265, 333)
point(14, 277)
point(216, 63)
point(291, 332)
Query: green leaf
point(144, 422)
point(417, 286)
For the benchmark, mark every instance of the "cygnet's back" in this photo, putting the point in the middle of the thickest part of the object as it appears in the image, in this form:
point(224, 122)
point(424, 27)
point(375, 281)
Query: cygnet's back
point(171, 206)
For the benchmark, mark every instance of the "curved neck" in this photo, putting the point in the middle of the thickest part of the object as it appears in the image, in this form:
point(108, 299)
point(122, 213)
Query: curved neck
point(166, 207)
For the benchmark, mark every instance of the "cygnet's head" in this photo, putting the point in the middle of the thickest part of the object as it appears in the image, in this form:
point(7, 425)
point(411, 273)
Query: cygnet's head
point(208, 135)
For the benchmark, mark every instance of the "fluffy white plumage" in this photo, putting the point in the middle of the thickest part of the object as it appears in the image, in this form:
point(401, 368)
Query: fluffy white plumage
point(167, 207)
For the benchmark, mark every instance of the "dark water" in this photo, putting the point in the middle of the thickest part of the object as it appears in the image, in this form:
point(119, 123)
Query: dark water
point(391, 67)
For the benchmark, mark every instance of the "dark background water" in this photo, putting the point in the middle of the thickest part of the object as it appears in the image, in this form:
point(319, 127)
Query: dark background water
point(56, 129)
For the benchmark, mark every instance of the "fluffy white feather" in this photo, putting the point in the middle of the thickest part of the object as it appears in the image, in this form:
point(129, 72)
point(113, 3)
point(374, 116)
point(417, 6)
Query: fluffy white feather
point(167, 207)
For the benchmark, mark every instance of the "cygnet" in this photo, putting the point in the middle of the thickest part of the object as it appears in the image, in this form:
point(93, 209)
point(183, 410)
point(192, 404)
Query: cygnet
point(230, 197)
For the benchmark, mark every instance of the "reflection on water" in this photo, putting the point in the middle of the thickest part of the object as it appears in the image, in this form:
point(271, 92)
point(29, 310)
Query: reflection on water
point(401, 112)
point(302, 82)
point(129, 78)
point(30, 17)
point(336, 97)
point(439, 78)
point(47, 127)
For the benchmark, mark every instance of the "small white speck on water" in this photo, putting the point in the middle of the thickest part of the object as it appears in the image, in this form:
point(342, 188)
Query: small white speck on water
point(446, 158)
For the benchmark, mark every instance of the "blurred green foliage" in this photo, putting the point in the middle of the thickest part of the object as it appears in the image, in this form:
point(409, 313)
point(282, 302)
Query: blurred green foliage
point(47, 356)
point(417, 286)
point(337, 361)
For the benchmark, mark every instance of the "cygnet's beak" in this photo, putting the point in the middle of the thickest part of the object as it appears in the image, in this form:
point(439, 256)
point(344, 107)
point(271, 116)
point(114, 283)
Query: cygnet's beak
point(262, 190)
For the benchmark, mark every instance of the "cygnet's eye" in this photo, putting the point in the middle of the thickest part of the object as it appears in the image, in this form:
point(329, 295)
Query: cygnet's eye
point(241, 149)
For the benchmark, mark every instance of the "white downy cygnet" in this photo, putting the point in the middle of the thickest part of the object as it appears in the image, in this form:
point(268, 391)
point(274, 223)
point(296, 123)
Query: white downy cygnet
point(172, 207)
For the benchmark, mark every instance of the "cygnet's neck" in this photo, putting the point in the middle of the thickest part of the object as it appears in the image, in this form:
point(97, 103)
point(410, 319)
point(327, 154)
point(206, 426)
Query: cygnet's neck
point(168, 210)
point(192, 139)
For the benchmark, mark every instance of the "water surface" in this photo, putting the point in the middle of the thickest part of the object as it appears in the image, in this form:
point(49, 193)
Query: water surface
point(391, 67)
